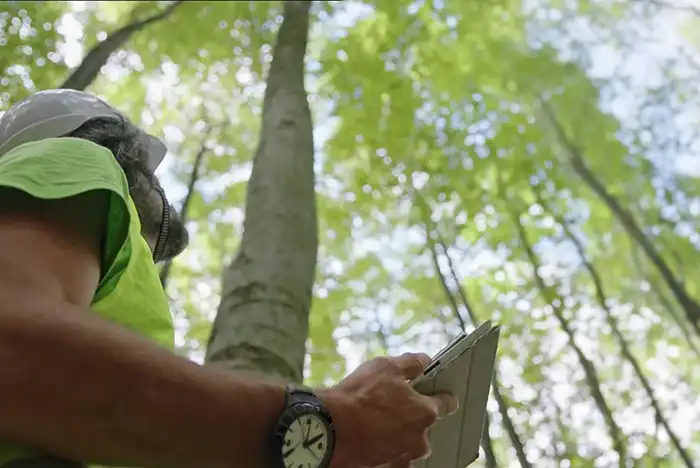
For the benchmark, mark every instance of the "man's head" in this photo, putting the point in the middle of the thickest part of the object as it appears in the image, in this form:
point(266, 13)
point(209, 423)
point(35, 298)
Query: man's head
point(69, 113)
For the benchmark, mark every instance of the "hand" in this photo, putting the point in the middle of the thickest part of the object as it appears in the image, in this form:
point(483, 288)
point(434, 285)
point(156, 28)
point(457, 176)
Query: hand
point(379, 418)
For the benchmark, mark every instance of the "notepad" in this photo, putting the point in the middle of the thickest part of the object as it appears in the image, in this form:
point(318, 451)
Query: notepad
point(464, 368)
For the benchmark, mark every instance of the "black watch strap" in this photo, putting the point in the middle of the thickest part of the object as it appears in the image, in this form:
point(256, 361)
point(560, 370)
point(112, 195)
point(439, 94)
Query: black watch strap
point(299, 393)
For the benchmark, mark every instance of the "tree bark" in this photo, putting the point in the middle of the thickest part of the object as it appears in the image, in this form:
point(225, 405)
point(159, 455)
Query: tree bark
point(194, 177)
point(591, 375)
point(689, 305)
point(263, 319)
point(601, 297)
point(98, 56)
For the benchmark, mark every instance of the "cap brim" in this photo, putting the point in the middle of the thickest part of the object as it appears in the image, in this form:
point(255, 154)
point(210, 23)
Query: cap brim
point(156, 152)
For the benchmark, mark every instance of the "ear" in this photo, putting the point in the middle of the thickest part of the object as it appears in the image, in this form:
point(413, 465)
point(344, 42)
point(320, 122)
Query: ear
point(178, 237)
point(149, 206)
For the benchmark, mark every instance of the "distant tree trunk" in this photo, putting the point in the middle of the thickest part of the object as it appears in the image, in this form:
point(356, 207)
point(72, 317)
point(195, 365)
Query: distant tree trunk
point(263, 319)
point(570, 451)
point(612, 322)
point(486, 442)
point(589, 370)
point(98, 56)
point(194, 177)
point(674, 6)
point(665, 303)
point(689, 305)
point(671, 310)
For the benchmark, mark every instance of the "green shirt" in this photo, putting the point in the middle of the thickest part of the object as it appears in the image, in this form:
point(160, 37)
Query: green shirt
point(129, 292)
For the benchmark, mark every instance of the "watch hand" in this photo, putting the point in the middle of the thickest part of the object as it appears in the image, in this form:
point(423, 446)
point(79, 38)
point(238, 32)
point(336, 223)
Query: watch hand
point(308, 431)
point(311, 442)
point(289, 452)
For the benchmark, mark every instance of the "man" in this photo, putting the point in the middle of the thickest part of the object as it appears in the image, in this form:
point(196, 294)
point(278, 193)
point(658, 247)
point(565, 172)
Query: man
point(84, 374)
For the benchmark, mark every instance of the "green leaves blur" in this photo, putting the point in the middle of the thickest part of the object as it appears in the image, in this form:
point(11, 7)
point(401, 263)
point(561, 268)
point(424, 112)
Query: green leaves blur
point(446, 98)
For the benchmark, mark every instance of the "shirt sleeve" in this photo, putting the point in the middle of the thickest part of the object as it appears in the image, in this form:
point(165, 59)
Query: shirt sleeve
point(61, 168)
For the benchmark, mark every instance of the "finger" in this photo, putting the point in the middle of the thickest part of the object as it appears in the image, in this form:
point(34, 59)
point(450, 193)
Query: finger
point(444, 404)
point(419, 449)
point(401, 462)
point(411, 365)
point(404, 461)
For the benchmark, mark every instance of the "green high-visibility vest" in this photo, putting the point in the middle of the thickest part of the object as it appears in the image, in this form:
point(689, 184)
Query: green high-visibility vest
point(129, 292)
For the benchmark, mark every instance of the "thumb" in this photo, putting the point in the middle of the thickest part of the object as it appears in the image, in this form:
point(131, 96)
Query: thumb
point(445, 403)
point(411, 365)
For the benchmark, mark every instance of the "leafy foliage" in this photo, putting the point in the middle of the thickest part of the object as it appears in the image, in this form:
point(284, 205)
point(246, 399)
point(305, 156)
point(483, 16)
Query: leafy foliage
point(456, 104)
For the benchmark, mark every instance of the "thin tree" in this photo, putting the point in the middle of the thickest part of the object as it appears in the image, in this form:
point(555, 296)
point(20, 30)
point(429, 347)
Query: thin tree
point(486, 443)
point(664, 302)
point(689, 305)
point(601, 298)
point(552, 298)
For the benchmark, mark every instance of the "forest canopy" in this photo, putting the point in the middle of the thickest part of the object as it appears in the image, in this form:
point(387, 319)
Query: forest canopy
point(534, 163)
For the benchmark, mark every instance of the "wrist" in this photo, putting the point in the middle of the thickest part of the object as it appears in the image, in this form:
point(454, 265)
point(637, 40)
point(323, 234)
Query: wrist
point(339, 406)
point(254, 403)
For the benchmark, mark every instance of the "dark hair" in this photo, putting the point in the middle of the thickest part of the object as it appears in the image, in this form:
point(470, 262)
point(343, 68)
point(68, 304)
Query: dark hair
point(124, 140)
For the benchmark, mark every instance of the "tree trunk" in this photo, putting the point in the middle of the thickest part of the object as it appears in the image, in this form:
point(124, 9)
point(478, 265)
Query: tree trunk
point(263, 319)
point(591, 375)
point(486, 442)
point(194, 177)
point(601, 297)
point(664, 301)
point(98, 56)
point(671, 310)
point(689, 305)
point(495, 385)
point(570, 451)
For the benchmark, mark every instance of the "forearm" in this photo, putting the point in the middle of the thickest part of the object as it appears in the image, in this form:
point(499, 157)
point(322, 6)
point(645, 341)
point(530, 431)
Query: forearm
point(76, 386)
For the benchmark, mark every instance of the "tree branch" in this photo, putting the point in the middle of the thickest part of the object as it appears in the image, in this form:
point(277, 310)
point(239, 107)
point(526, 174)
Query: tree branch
point(98, 56)
point(672, 6)
point(184, 208)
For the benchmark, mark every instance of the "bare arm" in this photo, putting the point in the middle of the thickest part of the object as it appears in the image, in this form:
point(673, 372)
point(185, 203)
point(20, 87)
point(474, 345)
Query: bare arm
point(74, 385)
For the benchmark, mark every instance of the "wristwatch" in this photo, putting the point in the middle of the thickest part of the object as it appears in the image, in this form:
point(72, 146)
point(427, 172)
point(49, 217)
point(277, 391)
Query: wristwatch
point(304, 436)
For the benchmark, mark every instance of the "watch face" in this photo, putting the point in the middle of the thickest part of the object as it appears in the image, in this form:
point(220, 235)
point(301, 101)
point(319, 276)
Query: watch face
point(306, 442)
